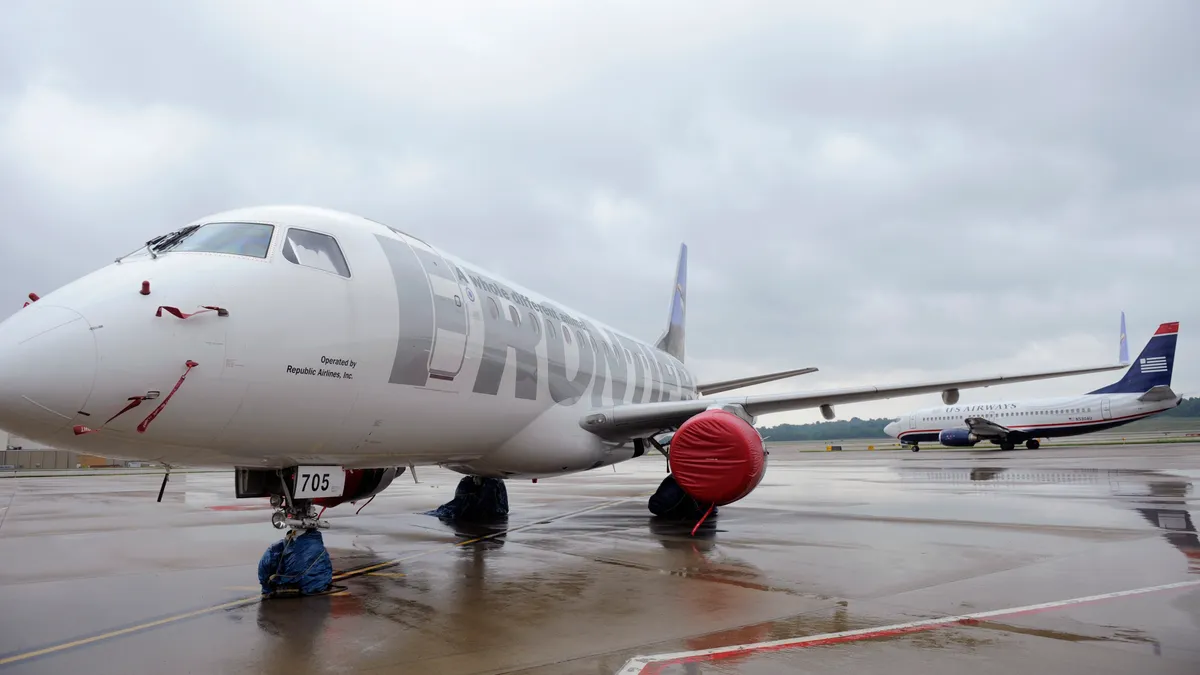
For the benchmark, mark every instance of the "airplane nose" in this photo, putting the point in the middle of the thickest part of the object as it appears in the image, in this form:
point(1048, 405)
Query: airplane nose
point(47, 369)
point(890, 429)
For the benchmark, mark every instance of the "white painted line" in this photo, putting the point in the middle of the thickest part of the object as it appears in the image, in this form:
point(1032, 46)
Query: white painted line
point(639, 664)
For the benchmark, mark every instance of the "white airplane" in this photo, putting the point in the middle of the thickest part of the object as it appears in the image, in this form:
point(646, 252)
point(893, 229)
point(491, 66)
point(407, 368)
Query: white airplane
point(319, 354)
point(1145, 390)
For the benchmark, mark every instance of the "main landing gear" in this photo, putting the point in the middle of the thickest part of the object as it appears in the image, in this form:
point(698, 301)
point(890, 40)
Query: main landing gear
point(477, 500)
point(1033, 444)
point(670, 501)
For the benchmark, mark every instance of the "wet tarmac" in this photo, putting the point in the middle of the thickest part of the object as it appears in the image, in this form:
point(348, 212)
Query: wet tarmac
point(96, 577)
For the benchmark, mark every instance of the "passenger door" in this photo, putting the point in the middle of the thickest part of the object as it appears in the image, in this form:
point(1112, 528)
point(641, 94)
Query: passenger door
point(451, 328)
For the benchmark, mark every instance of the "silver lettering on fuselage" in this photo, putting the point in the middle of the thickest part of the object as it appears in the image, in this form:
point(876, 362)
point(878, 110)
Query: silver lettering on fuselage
point(655, 373)
point(501, 334)
point(414, 340)
point(562, 390)
point(639, 372)
point(602, 359)
point(610, 366)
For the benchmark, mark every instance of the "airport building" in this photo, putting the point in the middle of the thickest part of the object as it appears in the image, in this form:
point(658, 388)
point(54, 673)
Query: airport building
point(23, 454)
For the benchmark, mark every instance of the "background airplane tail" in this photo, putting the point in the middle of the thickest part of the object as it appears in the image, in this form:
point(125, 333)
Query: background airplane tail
point(672, 340)
point(1153, 367)
point(1124, 355)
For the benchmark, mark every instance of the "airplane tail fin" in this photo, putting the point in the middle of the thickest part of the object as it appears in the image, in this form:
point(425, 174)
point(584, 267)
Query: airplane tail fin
point(1124, 355)
point(1153, 366)
point(672, 340)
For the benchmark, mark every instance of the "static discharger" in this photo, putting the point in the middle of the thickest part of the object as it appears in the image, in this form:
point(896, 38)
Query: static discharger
point(135, 401)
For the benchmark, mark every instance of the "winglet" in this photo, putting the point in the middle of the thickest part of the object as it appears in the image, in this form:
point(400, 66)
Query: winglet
point(672, 339)
point(1124, 356)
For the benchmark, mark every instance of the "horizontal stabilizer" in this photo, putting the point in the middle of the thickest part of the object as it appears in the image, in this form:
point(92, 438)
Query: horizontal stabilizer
point(1160, 393)
point(726, 385)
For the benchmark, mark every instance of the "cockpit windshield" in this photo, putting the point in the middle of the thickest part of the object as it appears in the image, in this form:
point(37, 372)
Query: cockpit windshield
point(248, 239)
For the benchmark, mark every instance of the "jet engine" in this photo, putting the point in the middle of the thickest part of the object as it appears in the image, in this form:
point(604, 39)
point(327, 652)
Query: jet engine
point(957, 438)
point(717, 457)
point(360, 484)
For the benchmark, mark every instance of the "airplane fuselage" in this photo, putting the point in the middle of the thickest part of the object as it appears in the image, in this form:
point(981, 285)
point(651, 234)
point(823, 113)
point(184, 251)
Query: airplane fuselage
point(401, 354)
point(1033, 418)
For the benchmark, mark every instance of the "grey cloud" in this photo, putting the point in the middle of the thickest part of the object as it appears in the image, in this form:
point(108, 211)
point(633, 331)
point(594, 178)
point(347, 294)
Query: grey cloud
point(911, 194)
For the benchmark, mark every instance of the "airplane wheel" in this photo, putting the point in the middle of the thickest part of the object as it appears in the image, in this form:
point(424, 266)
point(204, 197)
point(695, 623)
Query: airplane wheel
point(1033, 444)
point(1007, 446)
point(916, 449)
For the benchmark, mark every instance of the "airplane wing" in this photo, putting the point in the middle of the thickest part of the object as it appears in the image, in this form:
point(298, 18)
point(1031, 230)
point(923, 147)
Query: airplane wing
point(726, 385)
point(639, 420)
point(985, 428)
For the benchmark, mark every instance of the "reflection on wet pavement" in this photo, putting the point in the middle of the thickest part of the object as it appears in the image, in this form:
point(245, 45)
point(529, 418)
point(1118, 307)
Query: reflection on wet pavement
point(580, 578)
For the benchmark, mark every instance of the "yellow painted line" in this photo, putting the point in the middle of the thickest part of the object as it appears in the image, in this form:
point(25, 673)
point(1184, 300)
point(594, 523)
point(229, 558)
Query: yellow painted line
point(258, 598)
point(393, 575)
point(126, 631)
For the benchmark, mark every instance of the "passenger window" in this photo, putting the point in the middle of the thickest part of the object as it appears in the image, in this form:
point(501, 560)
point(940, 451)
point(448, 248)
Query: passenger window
point(514, 315)
point(566, 333)
point(533, 323)
point(493, 308)
point(550, 330)
point(248, 239)
point(315, 250)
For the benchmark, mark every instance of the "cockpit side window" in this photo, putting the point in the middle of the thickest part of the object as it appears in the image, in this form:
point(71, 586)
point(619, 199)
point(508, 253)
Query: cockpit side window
point(248, 239)
point(316, 250)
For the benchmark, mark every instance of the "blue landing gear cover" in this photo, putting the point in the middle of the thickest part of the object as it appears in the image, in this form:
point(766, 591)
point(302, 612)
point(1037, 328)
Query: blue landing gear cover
point(482, 502)
point(298, 562)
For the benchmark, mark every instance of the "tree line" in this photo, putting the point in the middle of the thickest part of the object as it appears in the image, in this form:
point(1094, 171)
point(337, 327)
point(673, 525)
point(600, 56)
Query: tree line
point(873, 428)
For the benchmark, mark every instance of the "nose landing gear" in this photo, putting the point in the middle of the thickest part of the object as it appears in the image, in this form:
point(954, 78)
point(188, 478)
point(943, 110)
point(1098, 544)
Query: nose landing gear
point(298, 564)
point(299, 515)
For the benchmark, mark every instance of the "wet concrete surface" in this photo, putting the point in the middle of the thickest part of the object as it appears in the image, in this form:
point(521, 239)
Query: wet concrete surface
point(96, 577)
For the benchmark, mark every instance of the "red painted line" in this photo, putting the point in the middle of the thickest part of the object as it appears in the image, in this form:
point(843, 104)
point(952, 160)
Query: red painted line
point(648, 665)
point(240, 507)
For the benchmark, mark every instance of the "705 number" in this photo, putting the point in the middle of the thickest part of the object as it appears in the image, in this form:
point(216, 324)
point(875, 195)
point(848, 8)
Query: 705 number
point(314, 482)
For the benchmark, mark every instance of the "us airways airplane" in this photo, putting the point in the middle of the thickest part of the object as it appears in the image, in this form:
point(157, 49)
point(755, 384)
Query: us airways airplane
point(1145, 390)
point(319, 354)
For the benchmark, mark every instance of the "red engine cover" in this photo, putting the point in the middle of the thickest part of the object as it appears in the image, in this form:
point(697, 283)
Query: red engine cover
point(717, 458)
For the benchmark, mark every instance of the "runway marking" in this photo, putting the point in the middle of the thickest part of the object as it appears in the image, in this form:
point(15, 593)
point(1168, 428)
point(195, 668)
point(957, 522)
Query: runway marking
point(25, 656)
point(654, 664)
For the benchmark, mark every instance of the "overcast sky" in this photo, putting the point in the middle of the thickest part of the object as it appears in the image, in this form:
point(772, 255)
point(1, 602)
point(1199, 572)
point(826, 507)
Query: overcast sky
point(883, 190)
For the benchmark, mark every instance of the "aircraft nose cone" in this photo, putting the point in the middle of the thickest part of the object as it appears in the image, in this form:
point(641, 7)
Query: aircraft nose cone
point(890, 429)
point(47, 369)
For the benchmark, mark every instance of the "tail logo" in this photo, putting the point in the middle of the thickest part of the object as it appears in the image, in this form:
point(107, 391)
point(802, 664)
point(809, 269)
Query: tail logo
point(1153, 364)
